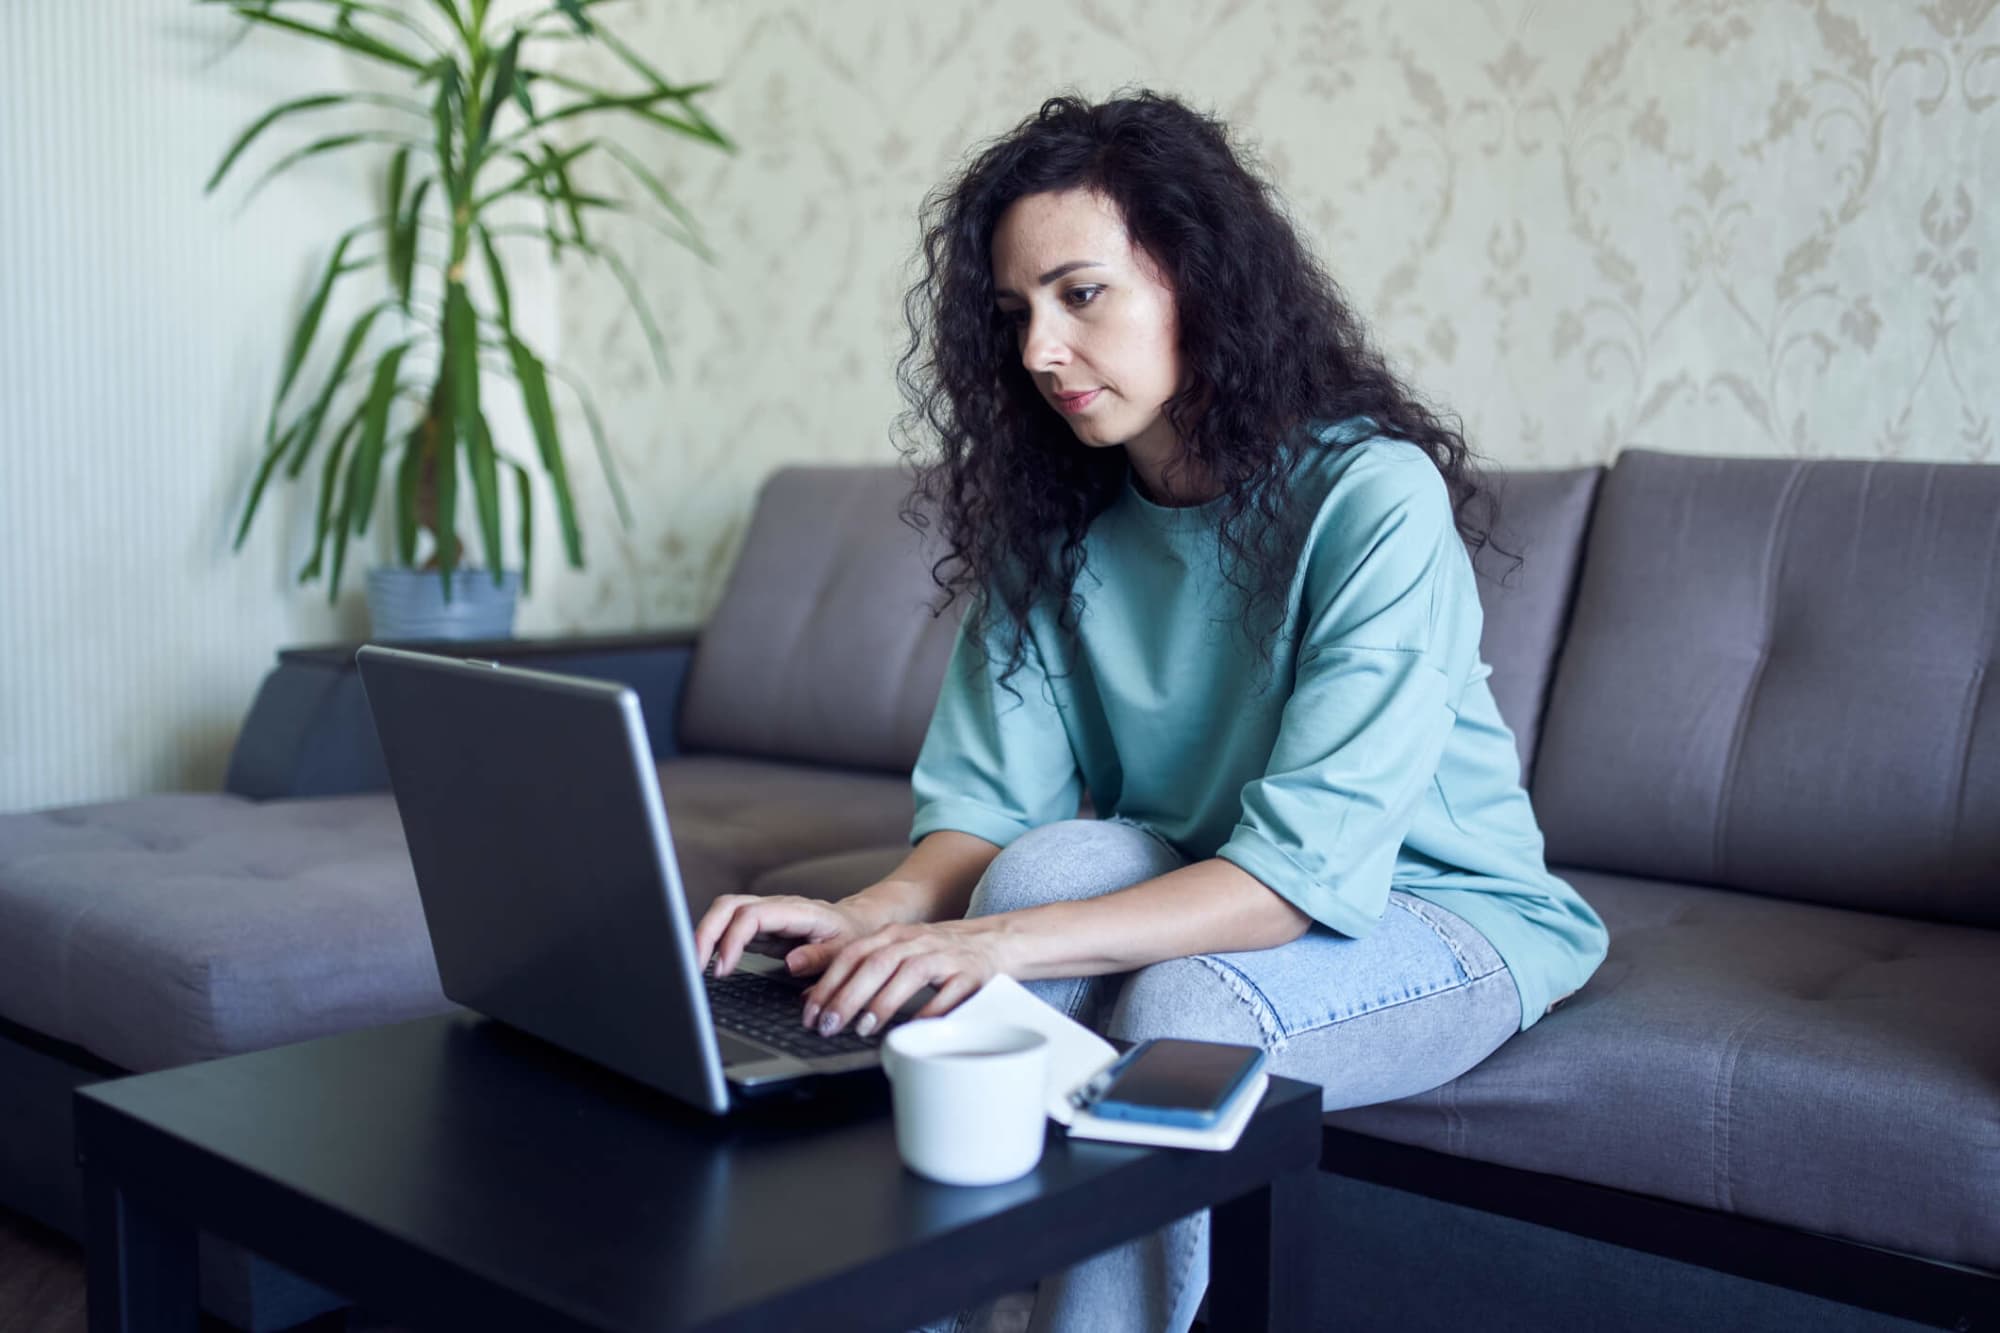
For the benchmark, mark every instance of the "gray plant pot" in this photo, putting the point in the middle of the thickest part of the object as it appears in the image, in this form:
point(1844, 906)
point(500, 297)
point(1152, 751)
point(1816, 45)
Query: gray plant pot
point(410, 604)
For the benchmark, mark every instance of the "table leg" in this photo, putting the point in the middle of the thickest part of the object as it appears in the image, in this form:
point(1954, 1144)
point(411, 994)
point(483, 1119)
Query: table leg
point(141, 1262)
point(1259, 1257)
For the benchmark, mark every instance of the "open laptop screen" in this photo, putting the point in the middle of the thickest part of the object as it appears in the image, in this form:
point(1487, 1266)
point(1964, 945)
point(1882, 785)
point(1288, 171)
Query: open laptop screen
point(543, 859)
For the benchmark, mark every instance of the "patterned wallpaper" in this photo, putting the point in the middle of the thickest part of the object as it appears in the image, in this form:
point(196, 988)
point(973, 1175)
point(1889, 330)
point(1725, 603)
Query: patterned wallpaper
point(1718, 226)
point(1722, 226)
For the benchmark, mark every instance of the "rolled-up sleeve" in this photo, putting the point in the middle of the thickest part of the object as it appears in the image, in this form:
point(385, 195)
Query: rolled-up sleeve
point(1383, 619)
point(993, 764)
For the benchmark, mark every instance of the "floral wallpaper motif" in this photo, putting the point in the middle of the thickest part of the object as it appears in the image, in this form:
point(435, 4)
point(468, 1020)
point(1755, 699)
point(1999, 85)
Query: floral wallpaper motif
point(1717, 226)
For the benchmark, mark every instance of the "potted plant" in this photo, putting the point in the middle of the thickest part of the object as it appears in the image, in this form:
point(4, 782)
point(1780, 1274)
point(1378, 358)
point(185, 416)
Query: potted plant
point(476, 151)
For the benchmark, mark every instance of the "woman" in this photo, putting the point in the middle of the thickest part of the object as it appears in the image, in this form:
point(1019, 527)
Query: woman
point(1216, 579)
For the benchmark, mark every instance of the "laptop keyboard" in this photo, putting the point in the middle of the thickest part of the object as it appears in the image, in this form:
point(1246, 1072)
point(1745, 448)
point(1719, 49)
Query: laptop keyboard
point(767, 1012)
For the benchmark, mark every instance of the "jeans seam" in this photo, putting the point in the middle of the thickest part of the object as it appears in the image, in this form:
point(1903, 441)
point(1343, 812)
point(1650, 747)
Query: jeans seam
point(1422, 910)
point(1178, 1285)
point(1253, 998)
point(1146, 829)
point(1278, 1033)
point(1384, 1007)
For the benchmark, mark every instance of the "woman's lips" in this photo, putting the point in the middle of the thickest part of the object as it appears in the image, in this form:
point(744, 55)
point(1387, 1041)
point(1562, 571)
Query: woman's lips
point(1076, 402)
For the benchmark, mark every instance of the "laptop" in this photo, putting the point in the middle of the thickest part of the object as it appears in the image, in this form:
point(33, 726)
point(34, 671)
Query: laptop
point(532, 809)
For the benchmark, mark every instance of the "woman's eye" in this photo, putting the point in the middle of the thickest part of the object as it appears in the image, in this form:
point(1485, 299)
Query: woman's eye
point(1075, 297)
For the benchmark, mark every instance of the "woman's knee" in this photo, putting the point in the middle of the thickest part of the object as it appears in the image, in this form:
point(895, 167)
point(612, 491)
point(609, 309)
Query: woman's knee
point(1068, 860)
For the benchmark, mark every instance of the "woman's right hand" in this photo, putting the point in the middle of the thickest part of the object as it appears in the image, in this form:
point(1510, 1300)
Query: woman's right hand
point(734, 919)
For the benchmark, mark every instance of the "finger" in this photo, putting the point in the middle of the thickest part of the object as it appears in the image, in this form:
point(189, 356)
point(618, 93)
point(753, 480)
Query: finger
point(713, 922)
point(862, 987)
point(839, 970)
point(766, 916)
point(911, 975)
point(839, 966)
point(811, 959)
point(751, 919)
point(951, 993)
point(841, 958)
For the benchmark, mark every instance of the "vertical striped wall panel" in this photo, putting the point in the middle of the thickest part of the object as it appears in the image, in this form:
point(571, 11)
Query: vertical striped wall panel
point(139, 330)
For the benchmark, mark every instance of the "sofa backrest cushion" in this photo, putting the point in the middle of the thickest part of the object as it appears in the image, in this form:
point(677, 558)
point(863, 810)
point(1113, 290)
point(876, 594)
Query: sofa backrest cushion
point(1781, 676)
point(1542, 519)
point(823, 648)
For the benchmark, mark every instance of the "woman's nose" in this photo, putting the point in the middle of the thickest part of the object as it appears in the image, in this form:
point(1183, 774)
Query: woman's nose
point(1040, 348)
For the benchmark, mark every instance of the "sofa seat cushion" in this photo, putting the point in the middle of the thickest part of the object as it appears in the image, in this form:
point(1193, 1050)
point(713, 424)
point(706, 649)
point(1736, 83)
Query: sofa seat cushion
point(167, 929)
point(1827, 1069)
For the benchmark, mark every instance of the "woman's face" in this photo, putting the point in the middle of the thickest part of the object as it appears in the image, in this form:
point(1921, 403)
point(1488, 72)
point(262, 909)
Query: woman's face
point(1093, 319)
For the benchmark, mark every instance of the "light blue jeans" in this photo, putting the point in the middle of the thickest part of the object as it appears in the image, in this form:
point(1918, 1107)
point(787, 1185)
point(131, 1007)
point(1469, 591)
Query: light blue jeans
point(1414, 1005)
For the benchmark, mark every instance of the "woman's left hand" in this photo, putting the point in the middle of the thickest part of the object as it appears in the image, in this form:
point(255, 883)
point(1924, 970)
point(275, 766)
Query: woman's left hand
point(868, 980)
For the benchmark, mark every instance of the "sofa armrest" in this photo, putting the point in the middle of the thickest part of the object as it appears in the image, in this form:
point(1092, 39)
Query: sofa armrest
point(309, 732)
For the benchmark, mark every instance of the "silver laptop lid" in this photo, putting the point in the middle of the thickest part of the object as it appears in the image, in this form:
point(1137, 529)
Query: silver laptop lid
point(547, 874)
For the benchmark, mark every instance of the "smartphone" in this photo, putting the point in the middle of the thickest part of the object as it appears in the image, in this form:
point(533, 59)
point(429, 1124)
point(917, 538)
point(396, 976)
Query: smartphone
point(1173, 1081)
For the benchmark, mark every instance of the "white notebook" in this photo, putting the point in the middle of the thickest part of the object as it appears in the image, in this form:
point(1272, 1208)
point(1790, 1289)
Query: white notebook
point(1077, 1055)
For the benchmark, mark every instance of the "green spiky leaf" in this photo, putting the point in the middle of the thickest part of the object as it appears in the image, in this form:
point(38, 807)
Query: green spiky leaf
point(274, 453)
point(309, 318)
point(502, 89)
point(404, 244)
point(264, 122)
point(461, 354)
point(308, 432)
point(360, 506)
point(529, 374)
point(408, 471)
point(350, 38)
point(329, 483)
point(605, 460)
point(483, 464)
point(496, 273)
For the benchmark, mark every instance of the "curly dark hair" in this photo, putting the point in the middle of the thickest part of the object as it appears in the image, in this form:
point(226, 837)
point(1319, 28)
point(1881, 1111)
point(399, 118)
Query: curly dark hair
point(1267, 343)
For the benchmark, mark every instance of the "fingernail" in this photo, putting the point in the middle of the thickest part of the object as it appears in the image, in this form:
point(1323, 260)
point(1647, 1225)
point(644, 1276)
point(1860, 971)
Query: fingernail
point(812, 1014)
point(829, 1023)
point(864, 1025)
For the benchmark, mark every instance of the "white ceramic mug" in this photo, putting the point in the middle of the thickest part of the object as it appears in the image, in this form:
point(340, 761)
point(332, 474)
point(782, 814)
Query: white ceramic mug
point(968, 1098)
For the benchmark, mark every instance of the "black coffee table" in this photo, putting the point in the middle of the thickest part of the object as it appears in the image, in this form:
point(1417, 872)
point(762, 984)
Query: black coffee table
point(450, 1173)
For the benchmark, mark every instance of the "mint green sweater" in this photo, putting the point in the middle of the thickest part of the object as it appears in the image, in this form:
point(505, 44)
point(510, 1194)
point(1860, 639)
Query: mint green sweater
point(1370, 756)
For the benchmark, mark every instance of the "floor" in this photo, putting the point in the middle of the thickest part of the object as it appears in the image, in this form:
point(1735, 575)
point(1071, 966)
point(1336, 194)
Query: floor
point(41, 1279)
point(42, 1287)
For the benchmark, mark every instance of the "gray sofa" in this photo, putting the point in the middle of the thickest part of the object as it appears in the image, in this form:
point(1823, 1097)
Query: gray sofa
point(1758, 705)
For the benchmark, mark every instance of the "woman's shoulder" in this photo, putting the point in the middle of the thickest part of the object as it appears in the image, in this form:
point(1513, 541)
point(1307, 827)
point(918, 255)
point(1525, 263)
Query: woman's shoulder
point(1353, 477)
point(1384, 534)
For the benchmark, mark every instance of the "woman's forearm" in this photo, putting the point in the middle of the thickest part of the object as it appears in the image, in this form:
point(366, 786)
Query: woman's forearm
point(1212, 906)
point(933, 883)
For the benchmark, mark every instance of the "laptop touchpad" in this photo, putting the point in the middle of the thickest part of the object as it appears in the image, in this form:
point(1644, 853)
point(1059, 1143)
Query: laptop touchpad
point(735, 1052)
